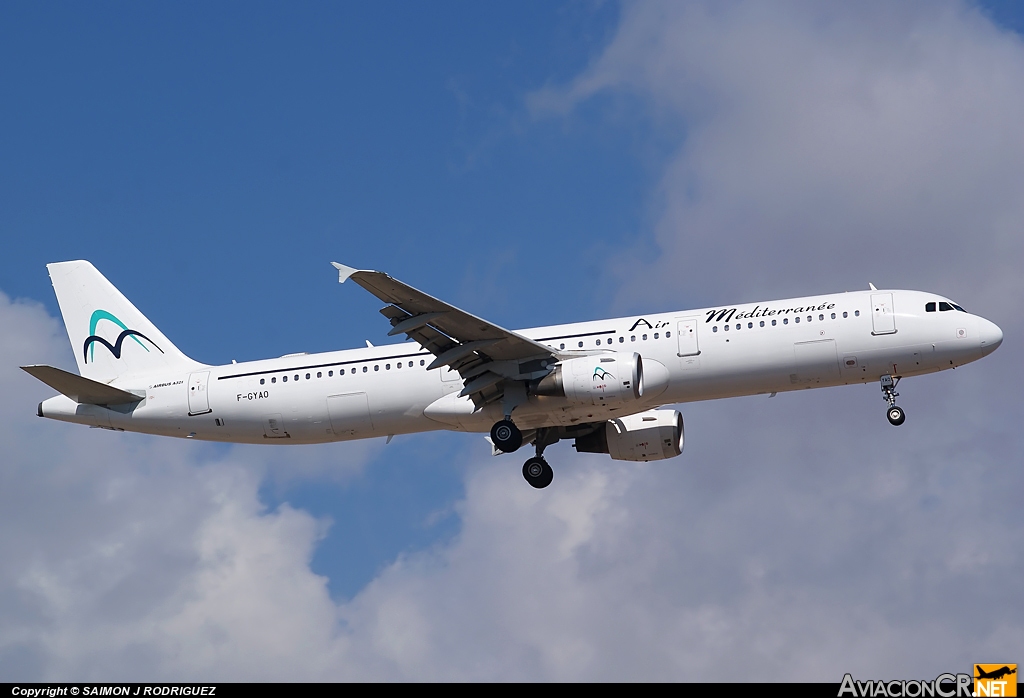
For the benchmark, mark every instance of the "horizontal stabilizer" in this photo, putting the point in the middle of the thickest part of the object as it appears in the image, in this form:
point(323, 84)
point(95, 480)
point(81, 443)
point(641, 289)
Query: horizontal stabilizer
point(82, 390)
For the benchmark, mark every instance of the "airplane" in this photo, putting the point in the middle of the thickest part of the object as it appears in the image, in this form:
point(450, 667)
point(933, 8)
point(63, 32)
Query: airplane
point(603, 384)
point(994, 674)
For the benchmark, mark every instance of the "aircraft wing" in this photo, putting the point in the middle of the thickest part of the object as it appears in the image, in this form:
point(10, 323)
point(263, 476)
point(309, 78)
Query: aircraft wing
point(82, 390)
point(482, 352)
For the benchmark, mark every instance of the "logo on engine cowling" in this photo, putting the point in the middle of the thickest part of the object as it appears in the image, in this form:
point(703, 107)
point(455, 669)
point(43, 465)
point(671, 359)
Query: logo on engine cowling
point(601, 374)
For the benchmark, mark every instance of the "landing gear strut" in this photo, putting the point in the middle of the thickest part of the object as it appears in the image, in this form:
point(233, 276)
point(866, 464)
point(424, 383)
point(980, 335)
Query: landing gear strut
point(506, 436)
point(536, 470)
point(895, 415)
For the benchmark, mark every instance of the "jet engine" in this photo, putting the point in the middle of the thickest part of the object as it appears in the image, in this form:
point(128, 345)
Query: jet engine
point(606, 379)
point(650, 435)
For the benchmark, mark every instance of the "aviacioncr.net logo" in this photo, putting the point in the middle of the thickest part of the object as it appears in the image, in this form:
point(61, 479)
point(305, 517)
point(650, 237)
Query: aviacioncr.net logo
point(943, 686)
point(89, 350)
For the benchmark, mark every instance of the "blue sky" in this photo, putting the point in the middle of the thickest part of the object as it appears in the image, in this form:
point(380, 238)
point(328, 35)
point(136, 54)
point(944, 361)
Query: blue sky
point(211, 161)
point(533, 163)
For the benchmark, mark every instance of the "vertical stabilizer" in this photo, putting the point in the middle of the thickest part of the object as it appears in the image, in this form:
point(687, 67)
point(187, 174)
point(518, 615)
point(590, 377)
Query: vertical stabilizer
point(109, 336)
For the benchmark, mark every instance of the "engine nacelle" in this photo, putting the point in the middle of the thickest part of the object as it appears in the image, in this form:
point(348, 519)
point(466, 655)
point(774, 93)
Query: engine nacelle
point(603, 379)
point(650, 435)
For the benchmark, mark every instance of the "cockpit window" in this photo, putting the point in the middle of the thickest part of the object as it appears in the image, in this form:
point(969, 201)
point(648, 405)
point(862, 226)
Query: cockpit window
point(929, 307)
point(958, 307)
point(944, 306)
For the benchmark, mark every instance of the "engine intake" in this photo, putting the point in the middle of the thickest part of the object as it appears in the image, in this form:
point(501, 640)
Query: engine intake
point(650, 435)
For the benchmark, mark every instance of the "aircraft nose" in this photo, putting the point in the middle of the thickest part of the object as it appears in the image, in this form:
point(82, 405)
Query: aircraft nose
point(991, 335)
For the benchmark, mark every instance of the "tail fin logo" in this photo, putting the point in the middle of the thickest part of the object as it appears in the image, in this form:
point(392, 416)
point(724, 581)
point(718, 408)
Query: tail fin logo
point(89, 349)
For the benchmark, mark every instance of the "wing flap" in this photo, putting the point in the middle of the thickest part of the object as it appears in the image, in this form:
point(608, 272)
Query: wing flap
point(82, 390)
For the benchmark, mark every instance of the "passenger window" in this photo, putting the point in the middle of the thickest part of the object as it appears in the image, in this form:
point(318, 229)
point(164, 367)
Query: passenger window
point(319, 375)
point(644, 337)
point(598, 342)
point(330, 374)
point(608, 341)
point(821, 317)
point(725, 327)
point(762, 323)
point(274, 379)
point(423, 362)
point(750, 325)
point(387, 367)
point(632, 338)
point(856, 313)
point(376, 367)
point(667, 335)
point(284, 379)
point(655, 335)
point(621, 339)
point(796, 319)
point(785, 320)
point(581, 345)
point(262, 381)
point(943, 306)
point(773, 323)
point(297, 376)
point(562, 345)
point(365, 369)
point(833, 316)
point(844, 314)
point(410, 364)
point(715, 328)
point(307, 376)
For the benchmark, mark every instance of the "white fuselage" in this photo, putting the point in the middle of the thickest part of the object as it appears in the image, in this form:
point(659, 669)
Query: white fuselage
point(700, 354)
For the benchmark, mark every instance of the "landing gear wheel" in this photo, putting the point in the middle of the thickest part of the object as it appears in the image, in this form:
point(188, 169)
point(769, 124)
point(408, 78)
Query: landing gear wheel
point(538, 473)
point(506, 436)
point(896, 416)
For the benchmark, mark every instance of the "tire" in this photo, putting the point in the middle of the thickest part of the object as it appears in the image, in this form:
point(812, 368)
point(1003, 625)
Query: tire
point(506, 436)
point(896, 416)
point(538, 473)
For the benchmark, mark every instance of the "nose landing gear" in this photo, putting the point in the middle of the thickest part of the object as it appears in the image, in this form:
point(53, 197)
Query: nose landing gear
point(894, 414)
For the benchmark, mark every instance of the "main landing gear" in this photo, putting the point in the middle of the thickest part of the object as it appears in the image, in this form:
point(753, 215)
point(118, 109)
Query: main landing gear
point(895, 415)
point(508, 438)
point(536, 470)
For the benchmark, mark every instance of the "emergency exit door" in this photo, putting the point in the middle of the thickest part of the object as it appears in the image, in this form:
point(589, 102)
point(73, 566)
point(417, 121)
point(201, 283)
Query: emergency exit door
point(686, 332)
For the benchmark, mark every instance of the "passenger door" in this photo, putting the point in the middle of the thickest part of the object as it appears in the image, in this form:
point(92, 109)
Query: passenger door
point(198, 398)
point(883, 319)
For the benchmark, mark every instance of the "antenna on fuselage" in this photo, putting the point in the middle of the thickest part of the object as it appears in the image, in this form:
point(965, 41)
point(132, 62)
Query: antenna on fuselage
point(872, 286)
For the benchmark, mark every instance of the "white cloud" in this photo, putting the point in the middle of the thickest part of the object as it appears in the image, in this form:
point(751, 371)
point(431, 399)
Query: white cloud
point(825, 145)
point(133, 557)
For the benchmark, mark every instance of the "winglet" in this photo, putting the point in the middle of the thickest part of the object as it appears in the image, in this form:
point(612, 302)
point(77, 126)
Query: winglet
point(343, 271)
